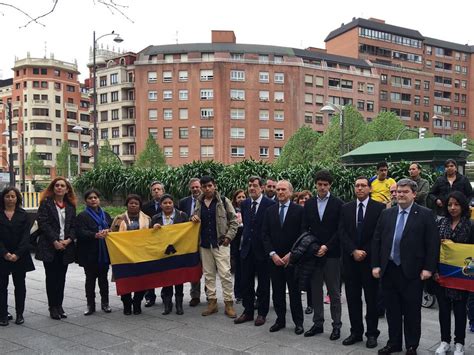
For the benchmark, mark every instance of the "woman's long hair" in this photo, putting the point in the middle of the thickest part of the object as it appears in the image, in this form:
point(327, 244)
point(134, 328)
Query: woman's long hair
point(463, 202)
point(234, 197)
point(70, 197)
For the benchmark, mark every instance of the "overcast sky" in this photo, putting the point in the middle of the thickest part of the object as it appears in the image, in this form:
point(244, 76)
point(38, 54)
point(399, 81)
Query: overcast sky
point(68, 31)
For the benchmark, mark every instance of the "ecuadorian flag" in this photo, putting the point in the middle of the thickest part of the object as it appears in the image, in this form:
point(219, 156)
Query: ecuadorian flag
point(147, 258)
point(456, 266)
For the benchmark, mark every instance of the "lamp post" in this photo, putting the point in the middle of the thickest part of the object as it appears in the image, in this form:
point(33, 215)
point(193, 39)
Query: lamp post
point(443, 118)
point(331, 108)
point(78, 129)
point(9, 133)
point(117, 39)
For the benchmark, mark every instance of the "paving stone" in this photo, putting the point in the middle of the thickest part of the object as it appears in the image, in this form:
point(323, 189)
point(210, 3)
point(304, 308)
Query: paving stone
point(6, 346)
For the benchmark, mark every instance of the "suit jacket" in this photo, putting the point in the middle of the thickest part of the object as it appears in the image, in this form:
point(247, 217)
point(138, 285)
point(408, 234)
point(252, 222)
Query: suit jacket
point(148, 208)
point(48, 223)
point(348, 228)
point(185, 205)
point(252, 232)
point(419, 246)
point(327, 229)
point(279, 238)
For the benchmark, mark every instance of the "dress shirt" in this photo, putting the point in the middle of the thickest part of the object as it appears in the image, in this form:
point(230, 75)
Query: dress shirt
point(364, 207)
point(285, 210)
point(322, 203)
point(258, 200)
point(170, 219)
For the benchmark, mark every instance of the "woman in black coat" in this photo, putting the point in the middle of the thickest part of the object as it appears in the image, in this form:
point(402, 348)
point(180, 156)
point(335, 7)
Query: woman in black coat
point(170, 215)
point(56, 215)
point(15, 258)
point(92, 226)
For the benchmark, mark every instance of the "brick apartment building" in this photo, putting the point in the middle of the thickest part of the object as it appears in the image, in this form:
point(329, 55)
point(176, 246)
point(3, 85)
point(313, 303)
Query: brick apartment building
point(47, 102)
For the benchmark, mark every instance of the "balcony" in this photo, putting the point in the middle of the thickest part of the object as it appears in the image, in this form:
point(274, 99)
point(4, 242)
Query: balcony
point(128, 103)
point(128, 139)
point(41, 103)
point(70, 107)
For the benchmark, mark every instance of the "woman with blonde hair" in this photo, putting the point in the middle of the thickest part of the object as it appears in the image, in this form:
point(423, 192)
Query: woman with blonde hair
point(56, 215)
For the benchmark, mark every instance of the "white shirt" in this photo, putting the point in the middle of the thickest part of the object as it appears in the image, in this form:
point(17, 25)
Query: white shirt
point(258, 200)
point(322, 203)
point(62, 221)
point(285, 210)
point(170, 219)
point(364, 206)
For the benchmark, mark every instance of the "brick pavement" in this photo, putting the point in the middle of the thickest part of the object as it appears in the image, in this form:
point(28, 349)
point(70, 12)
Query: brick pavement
point(153, 333)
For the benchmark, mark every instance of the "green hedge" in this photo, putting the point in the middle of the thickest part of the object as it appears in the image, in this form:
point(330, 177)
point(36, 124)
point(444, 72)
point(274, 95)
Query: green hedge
point(115, 182)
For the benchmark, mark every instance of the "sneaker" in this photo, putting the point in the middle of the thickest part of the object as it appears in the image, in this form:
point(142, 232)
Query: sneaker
point(459, 349)
point(442, 348)
point(327, 300)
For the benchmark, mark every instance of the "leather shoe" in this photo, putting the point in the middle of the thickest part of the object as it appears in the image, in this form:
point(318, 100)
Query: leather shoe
point(62, 314)
point(260, 321)
point(54, 313)
point(10, 317)
point(194, 302)
point(106, 308)
point(276, 327)
point(90, 310)
point(313, 331)
point(389, 349)
point(19, 319)
point(411, 350)
point(299, 330)
point(308, 310)
point(243, 318)
point(371, 342)
point(4, 322)
point(335, 334)
point(149, 303)
point(351, 339)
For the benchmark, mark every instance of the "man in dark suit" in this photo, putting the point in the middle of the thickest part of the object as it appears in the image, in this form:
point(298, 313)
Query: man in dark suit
point(152, 208)
point(187, 205)
point(254, 259)
point(321, 218)
point(356, 229)
point(405, 252)
point(281, 228)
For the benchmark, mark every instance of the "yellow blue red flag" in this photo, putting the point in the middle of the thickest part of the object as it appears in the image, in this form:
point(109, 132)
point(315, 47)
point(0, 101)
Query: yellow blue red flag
point(456, 266)
point(146, 258)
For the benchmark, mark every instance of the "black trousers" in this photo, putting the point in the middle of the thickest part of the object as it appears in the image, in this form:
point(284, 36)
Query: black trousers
point(136, 299)
point(359, 277)
point(251, 267)
point(55, 279)
point(402, 298)
point(459, 308)
point(97, 272)
point(282, 276)
point(167, 292)
point(20, 293)
point(236, 265)
point(150, 295)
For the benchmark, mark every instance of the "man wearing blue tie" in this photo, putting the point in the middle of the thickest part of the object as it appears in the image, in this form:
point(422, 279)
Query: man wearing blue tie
point(405, 252)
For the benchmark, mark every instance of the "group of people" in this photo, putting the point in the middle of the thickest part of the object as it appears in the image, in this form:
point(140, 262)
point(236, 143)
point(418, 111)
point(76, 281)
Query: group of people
point(385, 243)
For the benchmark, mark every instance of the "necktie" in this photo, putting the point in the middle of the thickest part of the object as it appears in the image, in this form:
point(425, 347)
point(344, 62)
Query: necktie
point(168, 218)
point(397, 238)
point(193, 203)
point(360, 219)
point(282, 214)
point(157, 205)
point(254, 208)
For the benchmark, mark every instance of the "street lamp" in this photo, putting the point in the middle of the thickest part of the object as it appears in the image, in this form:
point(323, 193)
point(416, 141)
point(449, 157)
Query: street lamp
point(330, 108)
point(9, 133)
point(443, 118)
point(117, 39)
point(78, 129)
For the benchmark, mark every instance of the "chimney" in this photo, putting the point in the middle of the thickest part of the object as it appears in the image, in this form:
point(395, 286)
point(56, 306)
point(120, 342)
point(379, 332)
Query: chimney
point(373, 19)
point(223, 36)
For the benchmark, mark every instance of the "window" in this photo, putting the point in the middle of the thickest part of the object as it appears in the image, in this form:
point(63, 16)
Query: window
point(114, 96)
point(103, 81)
point(183, 94)
point(152, 95)
point(183, 113)
point(277, 151)
point(152, 114)
point(279, 78)
point(36, 84)
point(167, 133)
point(319, 100)
point(263, 59)
point(279, 115)
point(104, 116)
point(167, 114)
point(318, 119)
point(168, 58)
point(183, 132)
point(58, 127)
point(238, 95)
point(237, 56)
point(308, 80)
point(183, 151)
point(167, 76)
point(308, 98)
point(278, 134)
point(113, 78)
point(264, 133)
point(114, 114)
point(69, 88)
point(264, 96)
point(115, 132)
point(207, 94)
point(277, 59)
point(237, 133)
point(104, 133)
point(70, 75)
point(264, 77)
point(57, 86)
point(263, 152)
point(334, 83)
point(152, 77)
point(207, 132)
point(207, 151)
point(360, 105)
point(426, 101)
point(416, 115)
point(346, 84)
point(167, 95)
point(57, 99)
point(206, 74)
point(237, 75)
point(426, 85)
point(308, 117)
point(207, 113)
point(319, 81)
point(279, 96)
point(237, 114)
point(183, 75)
point(237, 152)
point(207, 57)
point(370, 89)
point(168, 151)
point(263, 115)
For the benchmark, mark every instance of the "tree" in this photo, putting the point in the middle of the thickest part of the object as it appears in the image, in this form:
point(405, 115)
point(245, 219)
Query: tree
point(328, 148)
point(152, 156)
point(388, 126)
point(34, 165)
point(63, 160)
point(300, 148)
point(106, 155)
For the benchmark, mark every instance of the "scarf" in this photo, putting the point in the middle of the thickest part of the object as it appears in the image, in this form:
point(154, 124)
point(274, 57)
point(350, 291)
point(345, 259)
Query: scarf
point(101, 221)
